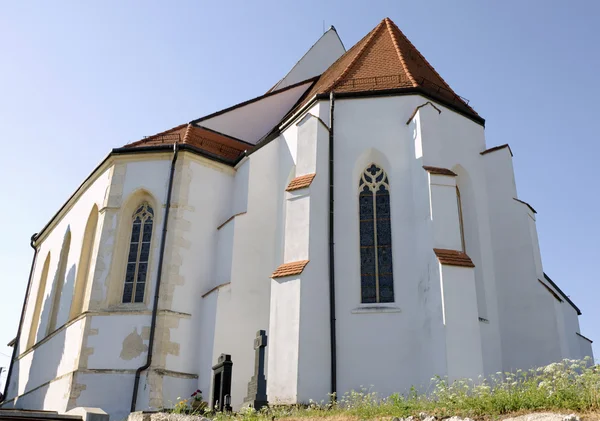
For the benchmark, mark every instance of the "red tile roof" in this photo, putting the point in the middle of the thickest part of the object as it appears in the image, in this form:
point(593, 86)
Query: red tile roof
point(385, 59)
point(202, 138)
point(453, 258)
point(300, 182)
point(439, 171)
point(288, 269)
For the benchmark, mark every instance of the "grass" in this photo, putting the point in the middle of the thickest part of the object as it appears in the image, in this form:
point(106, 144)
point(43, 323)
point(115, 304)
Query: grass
point(570, 385)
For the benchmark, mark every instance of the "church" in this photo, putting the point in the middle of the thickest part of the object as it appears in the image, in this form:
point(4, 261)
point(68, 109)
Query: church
point(354, 213)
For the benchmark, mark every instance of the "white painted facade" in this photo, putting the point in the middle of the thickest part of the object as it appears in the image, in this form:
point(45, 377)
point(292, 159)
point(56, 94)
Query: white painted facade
point(230, 227)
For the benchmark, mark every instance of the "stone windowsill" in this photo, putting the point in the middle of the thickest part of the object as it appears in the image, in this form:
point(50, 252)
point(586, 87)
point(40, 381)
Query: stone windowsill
point(374, 308)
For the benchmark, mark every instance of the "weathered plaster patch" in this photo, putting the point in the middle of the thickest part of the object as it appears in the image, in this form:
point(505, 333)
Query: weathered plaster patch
point(133, 346)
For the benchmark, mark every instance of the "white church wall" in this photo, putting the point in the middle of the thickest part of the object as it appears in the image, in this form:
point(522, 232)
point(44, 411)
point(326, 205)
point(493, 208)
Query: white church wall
point(400, 335)
point(52, 396)
point(444, 210)
point(240, 188)
point(206, 322)
point(529, 338)
point(585, 348)
point(255, 239)
point(314, 364)
point(119, 342)
point(284, 340)
point(224, 253)
point(203, 203)
point(298, 363)
point(54, 358)
point(73, 220)
point(29, 370)
point(463, 339)
point(446, 139)
point(115, 396)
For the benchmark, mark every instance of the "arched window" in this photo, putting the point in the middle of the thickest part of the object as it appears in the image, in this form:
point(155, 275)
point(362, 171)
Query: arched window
point(59, 282)
point(376, 271)
point(83, 269)
point(139, 253)
point(35, 319)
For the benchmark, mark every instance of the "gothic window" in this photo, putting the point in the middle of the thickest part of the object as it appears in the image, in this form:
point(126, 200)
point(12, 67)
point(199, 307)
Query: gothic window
point(139, 253)
point(377, 281)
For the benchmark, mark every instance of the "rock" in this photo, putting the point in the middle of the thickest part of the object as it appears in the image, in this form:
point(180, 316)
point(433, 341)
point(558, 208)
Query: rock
point(397, 419)
point(429, 419)
point(571, 417)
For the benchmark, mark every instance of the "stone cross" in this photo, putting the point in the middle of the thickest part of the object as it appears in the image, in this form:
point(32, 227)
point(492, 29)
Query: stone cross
point(257, 387)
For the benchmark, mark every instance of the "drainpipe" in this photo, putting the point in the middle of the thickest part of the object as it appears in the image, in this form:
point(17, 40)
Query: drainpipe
point(17, 339)
point(157, 288)
point(332, 258)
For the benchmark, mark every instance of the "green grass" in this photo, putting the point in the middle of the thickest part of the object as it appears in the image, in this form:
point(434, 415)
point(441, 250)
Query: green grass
point(571, 385)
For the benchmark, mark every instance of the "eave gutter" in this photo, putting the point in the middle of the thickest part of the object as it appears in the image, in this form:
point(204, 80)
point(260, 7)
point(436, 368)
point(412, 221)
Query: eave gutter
point(23, 308)
point(332, 319)
point(163, 240)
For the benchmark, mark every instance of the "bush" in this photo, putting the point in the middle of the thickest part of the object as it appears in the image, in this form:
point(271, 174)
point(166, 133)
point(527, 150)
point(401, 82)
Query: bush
point(572, 385)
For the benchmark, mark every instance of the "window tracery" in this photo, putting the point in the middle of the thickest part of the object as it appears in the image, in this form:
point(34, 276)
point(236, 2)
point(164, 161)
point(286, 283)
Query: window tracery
point(377, 281)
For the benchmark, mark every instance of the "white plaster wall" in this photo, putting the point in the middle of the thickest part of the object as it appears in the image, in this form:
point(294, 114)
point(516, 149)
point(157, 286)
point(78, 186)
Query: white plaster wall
point(254, 248)
point(201, 203)
point(316, 60)
point(314, 364)
point(54, 358)
point(297, 226)
point(113, 334)
point(444, 212)
point(463, 340)
point(528, 322)
point(284, 341)
point(298, 362)
point(65, 344)
point(206, 323)
point(224, 253)
point(445, 139)
point(252, 121)
point(240, 188)
point(407, 337)
point(74, 220)
point(51, 397)
point(109, 391)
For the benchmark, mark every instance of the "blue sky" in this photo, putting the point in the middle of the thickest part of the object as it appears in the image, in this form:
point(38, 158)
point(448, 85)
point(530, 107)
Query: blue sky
point(79, 78)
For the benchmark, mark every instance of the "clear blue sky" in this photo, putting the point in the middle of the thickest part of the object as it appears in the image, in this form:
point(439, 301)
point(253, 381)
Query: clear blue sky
point(79, 78)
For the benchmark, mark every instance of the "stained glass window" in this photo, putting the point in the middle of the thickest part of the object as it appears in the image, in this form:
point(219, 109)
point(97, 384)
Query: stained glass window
point(376, 279)
point(139, 253)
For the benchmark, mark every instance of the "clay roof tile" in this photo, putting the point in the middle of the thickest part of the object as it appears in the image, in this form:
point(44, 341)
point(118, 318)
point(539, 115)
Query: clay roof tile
point(385, 59)
point(453, 258)
point(288, 269)
point(300, 182)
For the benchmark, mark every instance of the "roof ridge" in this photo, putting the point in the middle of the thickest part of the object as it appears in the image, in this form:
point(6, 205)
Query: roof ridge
point(395, 27)
point(186, 136)
point(389, 25)
point(370, 38)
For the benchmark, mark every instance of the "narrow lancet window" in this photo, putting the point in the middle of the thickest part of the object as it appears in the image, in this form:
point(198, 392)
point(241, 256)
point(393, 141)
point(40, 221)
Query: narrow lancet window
point(139, 253)
point(377, 281)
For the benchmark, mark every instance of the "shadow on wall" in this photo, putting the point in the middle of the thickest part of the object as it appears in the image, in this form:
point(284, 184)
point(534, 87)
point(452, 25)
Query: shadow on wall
point(46, 358)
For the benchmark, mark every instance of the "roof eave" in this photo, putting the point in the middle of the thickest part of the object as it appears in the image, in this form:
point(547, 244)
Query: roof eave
point(560, 291)
point(407, 91)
